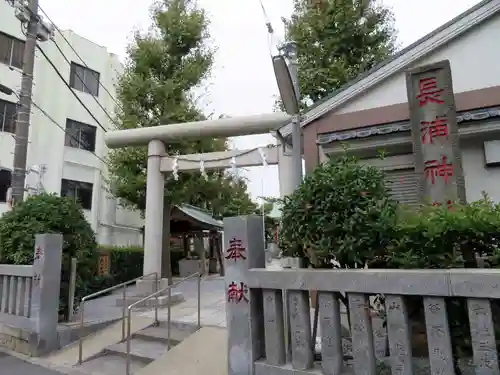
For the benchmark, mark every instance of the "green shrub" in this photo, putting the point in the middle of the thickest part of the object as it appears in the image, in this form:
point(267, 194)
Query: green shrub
point(125, 262)
point(51, 214)
point(342, 211)
point(442, 237)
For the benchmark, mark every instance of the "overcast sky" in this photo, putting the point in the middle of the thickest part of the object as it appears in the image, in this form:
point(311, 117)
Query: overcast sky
point(243, 81)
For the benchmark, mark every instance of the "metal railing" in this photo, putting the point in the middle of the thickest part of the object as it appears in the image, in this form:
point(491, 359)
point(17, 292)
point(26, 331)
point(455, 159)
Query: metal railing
point(156, 295)
point(124, 307)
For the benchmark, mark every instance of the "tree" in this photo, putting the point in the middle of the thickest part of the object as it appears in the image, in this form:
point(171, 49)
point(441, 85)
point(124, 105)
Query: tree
point(164, 66)
point(337, 40)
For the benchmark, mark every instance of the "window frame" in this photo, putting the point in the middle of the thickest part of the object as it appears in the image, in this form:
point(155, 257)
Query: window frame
point(4, 105)
point(69, 140)
point(12, 40)
point(3, 194)
point(76, 79)
point(75, 187)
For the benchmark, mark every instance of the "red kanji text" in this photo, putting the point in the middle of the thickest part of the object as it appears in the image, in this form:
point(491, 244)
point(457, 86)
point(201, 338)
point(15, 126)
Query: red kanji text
point(237, 293)
point(434, 129)
point(236, 250)
point(449, 203)
point(434, 169)
point(428, 91)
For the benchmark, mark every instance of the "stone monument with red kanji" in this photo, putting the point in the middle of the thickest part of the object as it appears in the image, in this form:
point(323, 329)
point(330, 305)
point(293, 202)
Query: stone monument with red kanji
point(435, 136)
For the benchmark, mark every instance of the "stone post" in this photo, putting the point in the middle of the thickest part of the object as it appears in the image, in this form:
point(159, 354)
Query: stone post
point(434, 130)
point(243, 249)
point(46, 286)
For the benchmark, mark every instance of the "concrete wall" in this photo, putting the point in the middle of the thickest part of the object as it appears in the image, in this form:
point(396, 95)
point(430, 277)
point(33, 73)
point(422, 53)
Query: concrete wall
point(47, 140)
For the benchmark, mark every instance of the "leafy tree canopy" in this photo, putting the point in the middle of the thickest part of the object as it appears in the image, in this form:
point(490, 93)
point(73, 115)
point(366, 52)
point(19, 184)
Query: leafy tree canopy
point(337, 40)
point(164, 67)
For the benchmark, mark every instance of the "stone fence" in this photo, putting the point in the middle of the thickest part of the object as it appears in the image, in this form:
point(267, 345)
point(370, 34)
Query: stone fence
point(265, 340)
point(29, 299)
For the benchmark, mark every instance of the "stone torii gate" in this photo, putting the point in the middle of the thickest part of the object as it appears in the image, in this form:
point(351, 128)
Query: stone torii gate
point(159, 163)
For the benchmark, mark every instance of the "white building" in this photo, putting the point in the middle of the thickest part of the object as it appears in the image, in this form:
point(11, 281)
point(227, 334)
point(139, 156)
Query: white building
point(371, 112)
point(69, 167)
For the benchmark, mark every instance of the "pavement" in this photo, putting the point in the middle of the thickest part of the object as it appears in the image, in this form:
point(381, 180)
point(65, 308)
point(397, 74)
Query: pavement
point(11, 365)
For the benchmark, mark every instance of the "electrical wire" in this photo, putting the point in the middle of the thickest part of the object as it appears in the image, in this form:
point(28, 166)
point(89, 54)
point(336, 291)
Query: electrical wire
point(52, 120)
point(269, 27)
point(85, 85)
point(79, 56)
point(70, 89)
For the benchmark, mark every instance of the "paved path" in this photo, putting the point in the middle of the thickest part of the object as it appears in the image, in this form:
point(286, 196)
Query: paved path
point(10, 365)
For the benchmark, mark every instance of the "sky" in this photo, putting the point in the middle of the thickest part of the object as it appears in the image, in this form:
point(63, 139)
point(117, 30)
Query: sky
point(242, 82)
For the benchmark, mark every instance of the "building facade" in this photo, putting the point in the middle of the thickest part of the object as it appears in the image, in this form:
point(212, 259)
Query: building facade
point(66, 145)
point(371, 113)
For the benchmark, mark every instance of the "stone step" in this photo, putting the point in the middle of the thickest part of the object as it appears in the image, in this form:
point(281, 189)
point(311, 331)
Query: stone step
point(161, 334)
point(110, 364)
point(141, 350)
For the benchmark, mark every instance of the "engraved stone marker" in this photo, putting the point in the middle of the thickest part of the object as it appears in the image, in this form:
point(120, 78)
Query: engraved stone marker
point(435, 134)
point(438, 336)
point(362, 335)
point(274, 327)
point(399, 335)
point(483, 336)
point(46, 285)
point(300, 328)
point(244, 249)
point(331, 333)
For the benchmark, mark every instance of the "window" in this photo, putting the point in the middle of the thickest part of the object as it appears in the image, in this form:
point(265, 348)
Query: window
point(5, 181)
point(84, 79)
point(11, 51)
point(80, 135)
point(8, 113)
point(81, 192)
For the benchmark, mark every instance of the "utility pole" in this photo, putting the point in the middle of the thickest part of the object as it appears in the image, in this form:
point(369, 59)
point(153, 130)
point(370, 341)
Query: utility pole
point(289, 51)
point(24, 109)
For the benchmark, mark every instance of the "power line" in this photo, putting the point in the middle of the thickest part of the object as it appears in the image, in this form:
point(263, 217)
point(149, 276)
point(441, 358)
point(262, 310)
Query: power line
point(61, 127)
point(84, 84)
point(70, 89)
point(269, 27)
point(78, 55)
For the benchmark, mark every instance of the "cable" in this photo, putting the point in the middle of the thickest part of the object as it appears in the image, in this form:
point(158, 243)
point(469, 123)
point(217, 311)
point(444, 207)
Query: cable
point(84, 84)
point(61, 127)
point(70, 89)
point(269, 28)
point(79, 57)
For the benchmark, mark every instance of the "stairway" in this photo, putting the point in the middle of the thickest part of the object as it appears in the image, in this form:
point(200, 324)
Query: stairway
point(146, 346)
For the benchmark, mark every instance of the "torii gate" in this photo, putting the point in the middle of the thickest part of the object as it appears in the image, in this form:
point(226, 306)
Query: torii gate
point(159, 163)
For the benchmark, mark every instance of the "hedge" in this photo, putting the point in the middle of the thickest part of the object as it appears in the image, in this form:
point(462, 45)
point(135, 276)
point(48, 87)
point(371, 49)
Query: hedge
point(126, 262)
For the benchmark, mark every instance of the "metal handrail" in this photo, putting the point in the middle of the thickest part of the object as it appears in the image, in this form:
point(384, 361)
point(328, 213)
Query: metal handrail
point(124, 305)
point(155, 295)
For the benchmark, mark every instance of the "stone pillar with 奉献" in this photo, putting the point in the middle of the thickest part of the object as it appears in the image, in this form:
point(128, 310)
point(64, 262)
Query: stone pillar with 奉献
point(435, 135)
point(243, 249)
